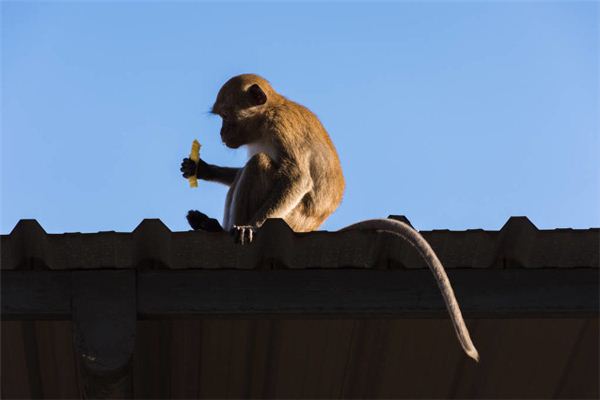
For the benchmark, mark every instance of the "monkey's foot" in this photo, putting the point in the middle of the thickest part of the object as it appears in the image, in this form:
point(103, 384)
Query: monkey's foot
point(243, 234)
point(201, 221)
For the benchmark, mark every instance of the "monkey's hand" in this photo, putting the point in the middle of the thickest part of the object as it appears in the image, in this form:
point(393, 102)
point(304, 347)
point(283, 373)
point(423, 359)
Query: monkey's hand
point(243, 234)
point(190, 167)
point(201, 222)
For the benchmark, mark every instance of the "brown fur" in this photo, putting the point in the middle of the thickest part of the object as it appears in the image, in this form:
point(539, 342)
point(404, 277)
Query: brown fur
point(294, 171)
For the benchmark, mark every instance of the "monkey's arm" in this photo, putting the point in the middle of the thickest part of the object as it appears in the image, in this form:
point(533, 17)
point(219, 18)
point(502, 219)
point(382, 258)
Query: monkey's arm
point(214, 173)
point(208, 172)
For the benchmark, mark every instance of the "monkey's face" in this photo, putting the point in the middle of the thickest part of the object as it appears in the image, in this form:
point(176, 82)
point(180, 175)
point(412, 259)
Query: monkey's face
point(239, 129)
point(241, 105)
point(233, 132)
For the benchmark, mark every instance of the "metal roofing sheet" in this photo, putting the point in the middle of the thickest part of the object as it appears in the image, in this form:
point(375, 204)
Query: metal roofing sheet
point(519, 244)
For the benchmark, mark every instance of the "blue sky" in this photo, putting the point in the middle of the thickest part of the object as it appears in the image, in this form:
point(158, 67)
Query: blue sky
point(457, 114)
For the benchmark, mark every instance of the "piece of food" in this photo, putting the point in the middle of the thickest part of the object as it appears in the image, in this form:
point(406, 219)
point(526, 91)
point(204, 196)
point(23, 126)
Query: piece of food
point(195, 156)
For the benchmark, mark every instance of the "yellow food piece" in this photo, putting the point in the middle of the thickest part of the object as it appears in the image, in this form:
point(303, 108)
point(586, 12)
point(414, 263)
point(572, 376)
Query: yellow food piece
point(194, 155)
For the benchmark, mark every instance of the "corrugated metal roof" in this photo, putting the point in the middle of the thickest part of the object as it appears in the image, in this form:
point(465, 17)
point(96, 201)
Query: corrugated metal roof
point(519, 244)
point(193, 354)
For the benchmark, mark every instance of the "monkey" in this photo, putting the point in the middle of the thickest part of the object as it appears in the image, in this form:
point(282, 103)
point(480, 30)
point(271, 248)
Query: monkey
point(293, 172)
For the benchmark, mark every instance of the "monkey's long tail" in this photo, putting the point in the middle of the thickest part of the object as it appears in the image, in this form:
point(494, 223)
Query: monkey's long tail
point(410, 235)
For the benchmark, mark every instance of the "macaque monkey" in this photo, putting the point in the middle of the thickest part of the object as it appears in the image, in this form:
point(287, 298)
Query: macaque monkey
point(293, 172)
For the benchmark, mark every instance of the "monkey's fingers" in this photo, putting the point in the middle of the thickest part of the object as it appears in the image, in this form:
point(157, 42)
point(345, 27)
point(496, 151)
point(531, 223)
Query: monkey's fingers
point(243, 234)
point(239, 235)
point(188, 167)
point(196, 219)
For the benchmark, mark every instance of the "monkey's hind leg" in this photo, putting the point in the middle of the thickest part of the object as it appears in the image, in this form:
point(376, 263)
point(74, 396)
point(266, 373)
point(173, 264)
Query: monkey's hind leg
point(201, 221)
point(254, 186)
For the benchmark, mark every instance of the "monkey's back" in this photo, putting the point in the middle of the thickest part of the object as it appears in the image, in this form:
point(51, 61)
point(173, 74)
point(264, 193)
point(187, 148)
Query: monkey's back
point(308, 142)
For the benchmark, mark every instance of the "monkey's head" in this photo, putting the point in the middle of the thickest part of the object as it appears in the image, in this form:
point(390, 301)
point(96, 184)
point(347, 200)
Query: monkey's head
point(242, 103)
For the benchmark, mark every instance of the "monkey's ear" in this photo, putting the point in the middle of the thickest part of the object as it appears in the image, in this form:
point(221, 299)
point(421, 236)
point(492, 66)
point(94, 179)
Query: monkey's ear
point(257, 95)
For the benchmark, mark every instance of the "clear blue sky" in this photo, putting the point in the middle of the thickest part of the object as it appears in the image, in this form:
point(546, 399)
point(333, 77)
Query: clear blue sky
point(455, 114)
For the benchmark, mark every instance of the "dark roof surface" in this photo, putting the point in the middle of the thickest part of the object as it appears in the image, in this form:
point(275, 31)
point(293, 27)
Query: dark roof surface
point(297, 315)
point(519, 244)
point(319, 358)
